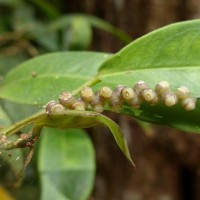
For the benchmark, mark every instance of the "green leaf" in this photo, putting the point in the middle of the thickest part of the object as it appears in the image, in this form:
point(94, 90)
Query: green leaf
point(118, 135)
point(71, 119)
point(17, 112)
point(66, 164)
point(83, 119)
point(14, 158)
point(64, 21)
point(8, 62)
point(4, 118)
point(78, 35)
point(101, 24)
point(176, 45)
point(47, 41)
point(43, 78)
point(170, 53)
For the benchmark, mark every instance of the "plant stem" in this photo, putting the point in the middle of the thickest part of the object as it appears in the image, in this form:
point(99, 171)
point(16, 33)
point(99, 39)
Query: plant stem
point(27, 140)
point(17, 126)
point(88, 83)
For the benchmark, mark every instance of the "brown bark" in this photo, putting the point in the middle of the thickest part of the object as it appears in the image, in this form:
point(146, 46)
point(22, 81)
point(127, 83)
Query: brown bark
point(167, 160)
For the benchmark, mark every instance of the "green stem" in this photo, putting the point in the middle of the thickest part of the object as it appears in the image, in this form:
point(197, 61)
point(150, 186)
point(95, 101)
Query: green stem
point(88, 83)
point(17, 126)
point(27, 141)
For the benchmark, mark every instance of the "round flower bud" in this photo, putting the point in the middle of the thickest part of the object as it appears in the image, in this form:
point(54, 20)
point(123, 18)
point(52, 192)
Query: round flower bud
point(116, 100)
point(128, 93)
point(52, 107)
point(149, 95)
point(135, 102)
point(105, 92)
point(117, 91)
point(162, 87)
point(97, 103)
point(115, 103)
point(78, 105)
point(98, 108)
point(182, 92)
point(49, 105)
point(170, 99)
point(154, 101)
point(189, 104)
point(66, 99)
point(139, 87)
point(87, 94)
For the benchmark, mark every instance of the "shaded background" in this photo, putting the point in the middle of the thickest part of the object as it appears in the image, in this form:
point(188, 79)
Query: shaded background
point(167, 160)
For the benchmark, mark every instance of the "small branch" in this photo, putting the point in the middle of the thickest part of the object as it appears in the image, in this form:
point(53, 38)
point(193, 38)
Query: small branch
point(19, 125)
point(31, 49)
point(88, 83)
point(9, 36)
point(18, 46)
point(25, 140)
point(27, 161)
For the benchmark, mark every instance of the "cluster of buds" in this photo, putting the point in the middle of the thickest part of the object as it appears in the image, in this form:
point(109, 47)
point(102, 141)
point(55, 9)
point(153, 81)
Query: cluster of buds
point(134, 97)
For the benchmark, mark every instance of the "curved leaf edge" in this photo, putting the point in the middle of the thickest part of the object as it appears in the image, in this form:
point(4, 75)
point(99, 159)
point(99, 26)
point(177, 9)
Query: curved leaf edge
point(71, 119)
point(102, 69)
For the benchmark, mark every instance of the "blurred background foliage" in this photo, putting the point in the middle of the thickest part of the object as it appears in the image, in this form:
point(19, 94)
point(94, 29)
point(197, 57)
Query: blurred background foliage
point(168, 165)
point(30, 28)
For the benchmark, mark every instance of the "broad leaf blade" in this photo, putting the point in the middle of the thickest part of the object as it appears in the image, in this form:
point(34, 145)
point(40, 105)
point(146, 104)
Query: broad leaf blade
point(83, 119)
point(66, 164)
point(170, 53)
point(118, 135)
point(176, 45)
point(43, 78)
point(72, 119)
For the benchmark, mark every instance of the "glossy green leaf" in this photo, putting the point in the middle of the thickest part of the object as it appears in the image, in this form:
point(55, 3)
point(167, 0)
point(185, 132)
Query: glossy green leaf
point(170, 53)
point(66, 164)
point(176, 45)
point(83, 119)
point(71, 119)
point(43, 78)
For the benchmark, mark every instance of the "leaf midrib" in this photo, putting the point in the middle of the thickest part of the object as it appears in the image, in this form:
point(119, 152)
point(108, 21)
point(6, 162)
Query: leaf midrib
point(148, 69)
point(54, 76)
